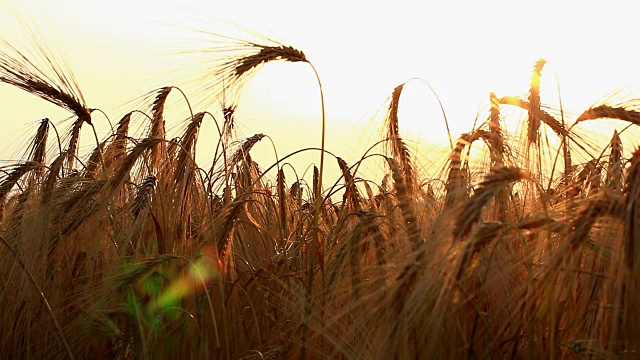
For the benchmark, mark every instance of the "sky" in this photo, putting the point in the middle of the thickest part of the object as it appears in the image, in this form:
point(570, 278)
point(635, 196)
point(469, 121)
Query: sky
point(122, 49)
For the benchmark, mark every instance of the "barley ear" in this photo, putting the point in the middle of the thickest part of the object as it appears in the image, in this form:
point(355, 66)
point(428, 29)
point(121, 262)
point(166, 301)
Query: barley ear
point(471, 210)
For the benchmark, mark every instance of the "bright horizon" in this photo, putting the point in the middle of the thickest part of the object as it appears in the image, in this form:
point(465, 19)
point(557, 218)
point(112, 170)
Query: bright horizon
point(464, 51)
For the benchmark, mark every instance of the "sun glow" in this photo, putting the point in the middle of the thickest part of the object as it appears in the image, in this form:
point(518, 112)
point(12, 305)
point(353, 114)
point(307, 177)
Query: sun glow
point(116, 50)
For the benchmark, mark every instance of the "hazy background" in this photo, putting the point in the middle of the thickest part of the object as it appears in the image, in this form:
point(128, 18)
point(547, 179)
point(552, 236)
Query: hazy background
point(120, 50)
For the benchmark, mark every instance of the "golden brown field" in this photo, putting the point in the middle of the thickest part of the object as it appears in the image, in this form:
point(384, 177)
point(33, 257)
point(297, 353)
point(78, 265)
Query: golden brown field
point(528, 248)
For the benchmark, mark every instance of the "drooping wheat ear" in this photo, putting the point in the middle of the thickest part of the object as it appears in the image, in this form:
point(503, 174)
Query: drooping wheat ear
point(237, 58)
point(136, 271)
point(605, 205)
point(351, 196)
point(553, 123)
point(542, 222)
point(80, 198)
point(456, 186)
point(370, 196)
point(228, 112)
point(227, 220)
point(494, 183)
point(632, 211)
point(406, 206)
point(618, 111)
point(122, 173)
point(614, 169)
point(496, 137)
point(60, 89)
point(142, 200)
point(589, 177)
point(282, 201)
point(486, 232)
point(534, 103)
point(264, 55)
point(243, 151)
point(13, 176)
point(187, 150)
point(397, 146)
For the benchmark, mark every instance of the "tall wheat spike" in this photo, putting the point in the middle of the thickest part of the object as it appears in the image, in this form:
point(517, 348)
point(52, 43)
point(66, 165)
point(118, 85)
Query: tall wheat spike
point(615, 166)
point(157, 127)
point(351, 196)
point(38, 147)
point(282, 201)
point(398, 148)
point(534, 103)
point(496, 138)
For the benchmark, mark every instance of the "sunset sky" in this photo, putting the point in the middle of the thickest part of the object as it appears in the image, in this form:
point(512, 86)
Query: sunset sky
point(362, 50)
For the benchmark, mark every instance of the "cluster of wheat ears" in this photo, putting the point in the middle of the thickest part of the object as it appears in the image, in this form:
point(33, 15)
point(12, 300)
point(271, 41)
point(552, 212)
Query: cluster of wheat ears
point(530, 250)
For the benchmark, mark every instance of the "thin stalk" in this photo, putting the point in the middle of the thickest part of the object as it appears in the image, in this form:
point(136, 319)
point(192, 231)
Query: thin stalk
point(316, 228)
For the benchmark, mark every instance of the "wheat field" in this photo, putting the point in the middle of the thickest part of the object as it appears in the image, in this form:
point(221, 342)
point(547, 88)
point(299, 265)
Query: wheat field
point(526, 248)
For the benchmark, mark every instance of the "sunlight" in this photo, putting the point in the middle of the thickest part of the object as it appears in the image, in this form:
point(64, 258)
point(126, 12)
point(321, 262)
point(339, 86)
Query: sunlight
point(262, 180)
